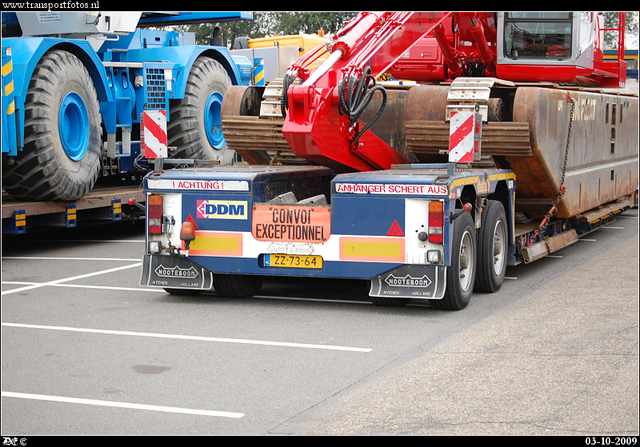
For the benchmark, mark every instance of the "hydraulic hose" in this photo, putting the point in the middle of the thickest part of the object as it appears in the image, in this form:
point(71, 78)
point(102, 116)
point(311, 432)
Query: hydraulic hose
point(354, 99)
point(291, 75)
point(288, 79)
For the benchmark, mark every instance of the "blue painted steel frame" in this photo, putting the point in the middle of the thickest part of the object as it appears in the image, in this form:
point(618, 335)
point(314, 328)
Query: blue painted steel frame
point(352, 214)
point(27, 52)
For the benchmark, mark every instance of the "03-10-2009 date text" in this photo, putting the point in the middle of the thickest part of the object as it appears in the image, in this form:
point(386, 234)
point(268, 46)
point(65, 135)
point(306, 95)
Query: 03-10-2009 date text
point(611, 440)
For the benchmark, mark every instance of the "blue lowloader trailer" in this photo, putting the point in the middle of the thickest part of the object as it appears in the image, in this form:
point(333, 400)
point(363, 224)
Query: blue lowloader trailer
point(75, 87)
point(430, 231)
point(401, 229)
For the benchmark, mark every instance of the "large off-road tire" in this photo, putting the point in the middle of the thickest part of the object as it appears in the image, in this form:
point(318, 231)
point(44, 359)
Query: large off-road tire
point(492, 248)
point(62, 135)
point(237, 286)
point(195, 127)
point(462, 272)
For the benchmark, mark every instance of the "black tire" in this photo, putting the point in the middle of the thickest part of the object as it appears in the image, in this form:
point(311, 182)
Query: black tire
point(237, 286)
point(492, 248)
point(191, 129)
point(461, 274)
point(62, 133)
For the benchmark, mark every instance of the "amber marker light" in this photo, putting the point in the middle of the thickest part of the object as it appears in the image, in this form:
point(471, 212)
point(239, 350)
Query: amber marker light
point(187, 233)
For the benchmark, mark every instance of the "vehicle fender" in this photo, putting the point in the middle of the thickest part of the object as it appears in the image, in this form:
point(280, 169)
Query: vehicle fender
point(220, 54)
point(27, 52)
point(184, 57)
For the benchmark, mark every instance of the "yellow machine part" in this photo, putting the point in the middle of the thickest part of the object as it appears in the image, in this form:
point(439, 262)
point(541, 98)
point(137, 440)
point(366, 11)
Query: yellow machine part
point(305, 42)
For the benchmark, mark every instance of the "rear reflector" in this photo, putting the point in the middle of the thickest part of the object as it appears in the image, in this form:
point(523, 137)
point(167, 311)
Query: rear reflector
point(154, 214)
point(436, 221)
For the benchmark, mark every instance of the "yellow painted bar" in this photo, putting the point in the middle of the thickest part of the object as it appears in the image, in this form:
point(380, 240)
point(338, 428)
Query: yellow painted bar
point(372, 249)
point(212, 243)
point(7, 68)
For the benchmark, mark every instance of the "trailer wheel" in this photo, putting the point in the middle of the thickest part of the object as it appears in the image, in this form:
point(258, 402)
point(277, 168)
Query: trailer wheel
point(461, 274)
point(237, 286)
point(492, 248)
point(62, 145)
point(195, 127)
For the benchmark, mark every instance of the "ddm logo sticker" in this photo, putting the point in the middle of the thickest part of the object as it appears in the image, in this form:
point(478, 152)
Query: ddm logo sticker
point(222, 209)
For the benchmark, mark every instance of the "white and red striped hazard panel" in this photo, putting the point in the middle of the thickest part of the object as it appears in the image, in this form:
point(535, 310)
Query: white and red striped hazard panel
point(462, 136)
point(154, 133)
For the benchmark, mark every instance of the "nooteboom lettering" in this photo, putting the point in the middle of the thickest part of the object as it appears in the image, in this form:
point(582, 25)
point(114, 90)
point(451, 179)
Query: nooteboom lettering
point(290, 232)
point(176, 272)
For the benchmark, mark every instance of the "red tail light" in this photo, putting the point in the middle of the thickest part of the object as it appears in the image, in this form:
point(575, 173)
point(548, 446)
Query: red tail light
point(154, 214)
point(436, 222)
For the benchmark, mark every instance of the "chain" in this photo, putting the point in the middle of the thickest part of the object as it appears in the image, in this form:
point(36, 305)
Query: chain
point(563, 188)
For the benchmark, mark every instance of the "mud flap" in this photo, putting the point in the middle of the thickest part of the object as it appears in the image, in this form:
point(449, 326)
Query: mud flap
point(173, 272)
point(411, 281)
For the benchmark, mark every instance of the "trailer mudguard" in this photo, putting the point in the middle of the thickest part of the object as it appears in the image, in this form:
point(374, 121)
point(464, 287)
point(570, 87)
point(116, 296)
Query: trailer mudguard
point(175, 272)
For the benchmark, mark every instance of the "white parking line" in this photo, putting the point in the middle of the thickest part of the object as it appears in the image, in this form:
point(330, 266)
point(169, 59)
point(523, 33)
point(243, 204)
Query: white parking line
point(92, 241)
point(190, 337)
point(106, 403)
point(60, 258)
point(80, 286)
point(58, 281)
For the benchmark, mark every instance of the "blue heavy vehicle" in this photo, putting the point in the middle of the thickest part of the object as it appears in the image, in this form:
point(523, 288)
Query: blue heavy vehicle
point(76, 83)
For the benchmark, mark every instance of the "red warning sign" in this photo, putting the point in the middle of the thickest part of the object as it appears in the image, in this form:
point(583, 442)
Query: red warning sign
point(395, 230)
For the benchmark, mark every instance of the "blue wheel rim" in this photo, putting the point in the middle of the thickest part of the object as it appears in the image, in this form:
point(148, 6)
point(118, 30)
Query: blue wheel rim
point(213, 120)
point(74, 126)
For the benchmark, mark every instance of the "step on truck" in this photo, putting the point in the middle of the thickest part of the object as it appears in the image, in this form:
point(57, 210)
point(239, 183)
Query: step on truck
point(76, 88)
point(509, 149)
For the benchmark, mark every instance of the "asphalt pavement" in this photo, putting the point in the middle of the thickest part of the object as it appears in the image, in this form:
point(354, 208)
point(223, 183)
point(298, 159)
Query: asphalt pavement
point(86, 351)
point(557, 357)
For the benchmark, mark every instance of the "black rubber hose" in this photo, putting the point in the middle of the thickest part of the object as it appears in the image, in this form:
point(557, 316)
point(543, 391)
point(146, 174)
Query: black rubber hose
point(284, 99)
point(353, 100)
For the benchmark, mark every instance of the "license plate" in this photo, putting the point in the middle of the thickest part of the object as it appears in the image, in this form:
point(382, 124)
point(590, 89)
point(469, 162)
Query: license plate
point(293, 261)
